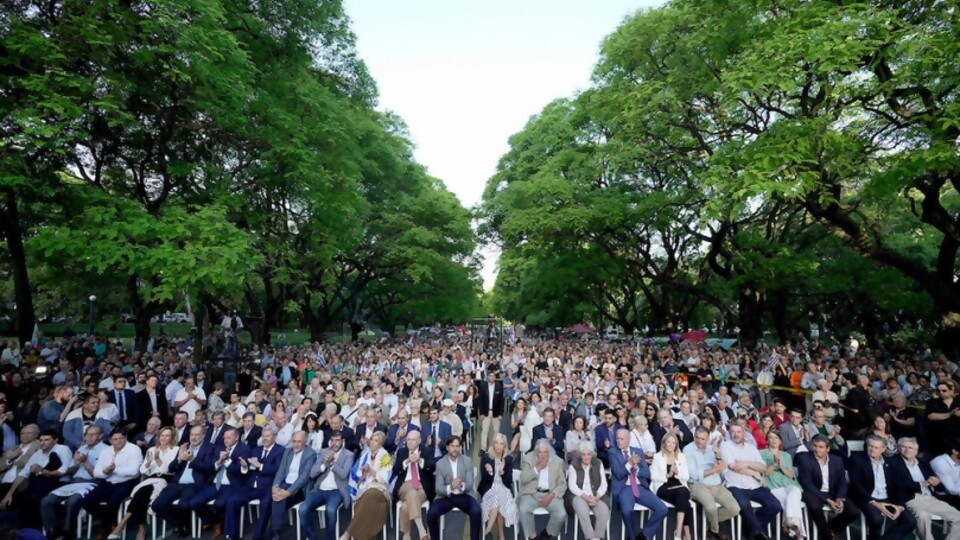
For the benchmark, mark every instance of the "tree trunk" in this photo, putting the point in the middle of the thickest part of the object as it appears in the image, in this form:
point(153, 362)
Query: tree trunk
point(355, 329)
point(23, 293)
point(779, 302)
point(311, 320)
point(141, 325)
point(948, 336)
point(751, 316)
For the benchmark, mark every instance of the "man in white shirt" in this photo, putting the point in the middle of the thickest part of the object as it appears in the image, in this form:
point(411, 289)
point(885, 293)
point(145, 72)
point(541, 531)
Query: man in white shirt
point(119, 470)
point(455, 490)
point(235, 410)
point(450, 417)
point(705, 485)
point(290, 483)
point(190, 399)
point(921, 489)
point(82, 465)
point(330, 475)
point(41, 473)
point(947, 468)
point(744, 479)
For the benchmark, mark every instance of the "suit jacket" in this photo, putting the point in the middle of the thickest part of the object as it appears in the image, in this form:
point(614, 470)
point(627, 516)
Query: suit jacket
point(235, 470)
point(486, 479)
point(219, 440)
point(716, 412)
point(427, 474)
point(145, 409)
point(362, 432)
point(24, 457)
point(303, 474)
point(130, 402)
point(349, 440)
point(202, 465)
point(905, 486)
point(340, 471)
point(657, 432)
point(565, 419)
point(791, 442)
point(444, 476)
point(540, 432)
point(861, 479)
point(392, 444)
point(482, 402)
point(811, 479)
point(619, 474)
point(556, 476)
point(603, 433)
point(427, 433)
point(269, 465)
point(249, 438)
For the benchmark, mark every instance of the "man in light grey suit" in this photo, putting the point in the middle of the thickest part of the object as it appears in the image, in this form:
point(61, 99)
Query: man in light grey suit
point(329, 487)
point(455, 489)
point(794, 434)
point(290, 482)
point(543, 483)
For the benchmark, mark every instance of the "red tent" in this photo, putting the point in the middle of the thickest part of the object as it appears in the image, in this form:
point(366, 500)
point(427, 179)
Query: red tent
point(694, 335)
point(580, 328)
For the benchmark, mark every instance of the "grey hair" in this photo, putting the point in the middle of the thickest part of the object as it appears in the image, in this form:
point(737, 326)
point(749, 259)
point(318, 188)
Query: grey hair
point(268, 428)
point(907, 440)
point(873, 437)
point(542, 444)
point(587, 447)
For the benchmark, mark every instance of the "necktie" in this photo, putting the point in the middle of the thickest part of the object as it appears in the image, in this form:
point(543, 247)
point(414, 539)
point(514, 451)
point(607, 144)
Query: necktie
point(222, 471)
point(633, 478)
point(415, 476)
point(123, 410)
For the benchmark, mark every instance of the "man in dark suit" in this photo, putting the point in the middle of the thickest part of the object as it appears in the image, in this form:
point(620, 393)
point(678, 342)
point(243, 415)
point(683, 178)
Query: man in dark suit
point(330, 477)
point(435, 436)
point(665, 424)
point(549, 430)
point(606, 435)
point(398, 432)
point(260, 469)
point(227, 481)
point(630, 484)
point(815, 497)
point(152, 402)
point(127, 405)
point(181, 428)
point(366, 430)
point(337, 426)
point(873, 488)
point(249, 433)
point(289, 486)
point(193, 470)
point(216, 428)
point(922, 490)
point(489, 403)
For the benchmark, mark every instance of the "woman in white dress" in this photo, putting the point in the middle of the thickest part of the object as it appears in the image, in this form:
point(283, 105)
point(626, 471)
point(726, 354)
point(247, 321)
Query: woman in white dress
point(496, 487)
point(155, 472)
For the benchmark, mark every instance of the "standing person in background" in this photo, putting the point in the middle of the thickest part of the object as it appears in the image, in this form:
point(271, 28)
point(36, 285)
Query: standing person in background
point(489, 404)
point(229, 329)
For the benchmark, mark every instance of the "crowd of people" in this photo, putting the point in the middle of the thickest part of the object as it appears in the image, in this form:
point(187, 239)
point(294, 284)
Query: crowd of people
point(807, 436)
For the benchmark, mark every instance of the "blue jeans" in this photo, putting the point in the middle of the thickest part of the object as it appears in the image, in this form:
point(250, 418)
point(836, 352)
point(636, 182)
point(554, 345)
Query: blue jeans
point(315, 499)
point(658, 511)
point(755, 522)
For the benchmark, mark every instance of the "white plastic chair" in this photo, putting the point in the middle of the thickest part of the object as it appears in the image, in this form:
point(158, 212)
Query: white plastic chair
point(396, 525)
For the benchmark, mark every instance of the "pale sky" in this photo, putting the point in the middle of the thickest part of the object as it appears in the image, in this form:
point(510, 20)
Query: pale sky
point(467, 75)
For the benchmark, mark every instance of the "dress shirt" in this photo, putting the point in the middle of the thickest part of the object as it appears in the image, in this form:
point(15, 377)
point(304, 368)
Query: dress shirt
point(731, 452)
point(225, 481)
point(294, 470)
point(825, 473)
point(699, 463)
point(490, 390)
point(285, 435)
point(93, 456)
point(11, 473)
point(121, 404)
point(879, 481)
point(948, 472)
point(330, 481)
point(453, 470)
point(214, 433)
point(917, 475)
point(42, 459)
point(127, 464)
point(543, 479)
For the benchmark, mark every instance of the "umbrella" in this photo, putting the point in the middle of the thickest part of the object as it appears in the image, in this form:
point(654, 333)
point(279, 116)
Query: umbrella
point(693, 335)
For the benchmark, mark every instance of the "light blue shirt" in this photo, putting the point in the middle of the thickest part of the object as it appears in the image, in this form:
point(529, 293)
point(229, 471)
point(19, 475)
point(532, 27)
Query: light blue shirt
point(879, 480)
point(698, 463)
point(93, 455)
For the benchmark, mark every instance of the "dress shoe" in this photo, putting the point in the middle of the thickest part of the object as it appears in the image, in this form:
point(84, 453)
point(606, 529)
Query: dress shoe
point(640, 536)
